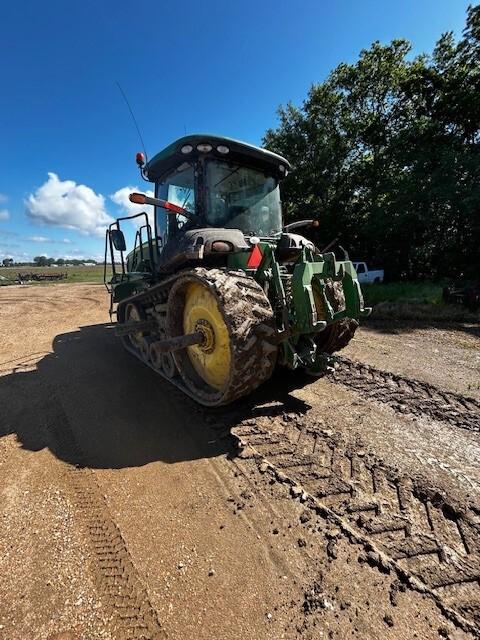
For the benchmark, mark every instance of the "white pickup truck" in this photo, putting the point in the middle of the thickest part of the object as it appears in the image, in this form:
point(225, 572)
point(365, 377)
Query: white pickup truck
point(366, 276)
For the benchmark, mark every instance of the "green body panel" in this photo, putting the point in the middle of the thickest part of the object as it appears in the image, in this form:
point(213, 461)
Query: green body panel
point(306, 272)
point(134, 261)
point(128, 284)
point(298, 320)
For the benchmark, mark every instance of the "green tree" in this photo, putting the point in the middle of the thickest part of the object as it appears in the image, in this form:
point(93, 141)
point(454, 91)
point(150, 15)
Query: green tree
point(41, 261)
point(386, 153)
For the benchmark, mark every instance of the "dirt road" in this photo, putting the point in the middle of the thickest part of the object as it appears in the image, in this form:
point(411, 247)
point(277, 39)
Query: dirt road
point(347, 508)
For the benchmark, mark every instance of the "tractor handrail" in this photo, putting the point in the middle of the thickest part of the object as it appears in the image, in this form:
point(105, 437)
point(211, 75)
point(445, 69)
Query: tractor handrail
point(109, 245)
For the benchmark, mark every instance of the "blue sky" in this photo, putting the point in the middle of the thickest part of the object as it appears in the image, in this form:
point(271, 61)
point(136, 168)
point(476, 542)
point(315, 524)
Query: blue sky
point(67, 140)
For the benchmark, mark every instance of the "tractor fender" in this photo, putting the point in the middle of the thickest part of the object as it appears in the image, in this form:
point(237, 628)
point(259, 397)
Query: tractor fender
point(194, 244)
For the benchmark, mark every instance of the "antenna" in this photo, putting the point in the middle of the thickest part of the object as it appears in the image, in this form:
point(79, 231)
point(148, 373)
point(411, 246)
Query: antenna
point(133, 118)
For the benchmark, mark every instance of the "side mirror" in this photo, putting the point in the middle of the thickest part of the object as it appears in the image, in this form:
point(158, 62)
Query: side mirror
point(118, 239)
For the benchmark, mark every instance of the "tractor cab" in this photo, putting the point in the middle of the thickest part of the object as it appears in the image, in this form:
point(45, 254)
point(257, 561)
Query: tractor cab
point(226, 191)
point(236, 187)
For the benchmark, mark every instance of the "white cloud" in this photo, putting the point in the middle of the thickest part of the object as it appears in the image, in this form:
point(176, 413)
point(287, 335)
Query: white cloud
point(74, 254)
point(77, 254)
point(3, 198)
point(128, 208)
point(13, 251)
point(4, 214)
point(39, 239)
point(47, 240)
point(64, 203)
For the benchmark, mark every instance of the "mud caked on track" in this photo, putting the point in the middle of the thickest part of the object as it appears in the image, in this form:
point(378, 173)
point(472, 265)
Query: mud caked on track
point(347, 508)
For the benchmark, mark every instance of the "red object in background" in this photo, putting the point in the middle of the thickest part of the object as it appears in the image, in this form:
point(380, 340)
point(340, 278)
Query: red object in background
point(140, 159)
point(255, 258)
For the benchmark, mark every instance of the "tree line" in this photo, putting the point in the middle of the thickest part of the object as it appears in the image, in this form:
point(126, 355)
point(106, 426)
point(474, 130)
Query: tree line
point(386, 154)
point(43, 261)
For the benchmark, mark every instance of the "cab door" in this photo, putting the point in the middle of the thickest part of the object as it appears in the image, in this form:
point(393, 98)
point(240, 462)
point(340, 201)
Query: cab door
point(178, 187)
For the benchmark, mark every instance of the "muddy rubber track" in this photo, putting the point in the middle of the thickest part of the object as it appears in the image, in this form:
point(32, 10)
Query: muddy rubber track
point(432, 543)
point(248, 316)
point(407, 395)
point(115, 575)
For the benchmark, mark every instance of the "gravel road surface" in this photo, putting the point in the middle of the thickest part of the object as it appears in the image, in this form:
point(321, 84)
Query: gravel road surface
point(346, 507)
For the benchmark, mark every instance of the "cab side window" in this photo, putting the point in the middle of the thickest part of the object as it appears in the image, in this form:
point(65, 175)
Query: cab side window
point(177, 187)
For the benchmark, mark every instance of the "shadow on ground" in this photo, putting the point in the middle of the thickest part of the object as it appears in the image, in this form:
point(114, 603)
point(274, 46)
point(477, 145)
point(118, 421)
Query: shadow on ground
point(397, 326)
point(93, 404)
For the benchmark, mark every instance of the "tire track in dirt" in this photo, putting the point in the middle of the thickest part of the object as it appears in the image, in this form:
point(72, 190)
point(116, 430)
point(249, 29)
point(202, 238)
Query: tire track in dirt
point(407, 395)
point(406, 526)
point(116, 577)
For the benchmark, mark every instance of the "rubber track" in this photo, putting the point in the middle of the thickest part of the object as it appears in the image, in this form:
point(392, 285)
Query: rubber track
point(116, 578)
point(407, 395)
point(433, 545)
point(249, 317)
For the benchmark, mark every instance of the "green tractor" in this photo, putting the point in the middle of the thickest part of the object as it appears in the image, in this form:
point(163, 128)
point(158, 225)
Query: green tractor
point(217, 292)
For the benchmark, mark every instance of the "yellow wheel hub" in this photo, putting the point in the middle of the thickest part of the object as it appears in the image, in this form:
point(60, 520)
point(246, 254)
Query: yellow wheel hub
point(211, 359)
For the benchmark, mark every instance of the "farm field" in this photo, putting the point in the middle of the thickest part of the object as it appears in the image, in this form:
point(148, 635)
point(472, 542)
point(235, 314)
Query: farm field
point(154, 515)
point(92, 274)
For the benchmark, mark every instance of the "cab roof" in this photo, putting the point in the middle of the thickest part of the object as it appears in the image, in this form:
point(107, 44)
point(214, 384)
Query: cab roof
point(239, 152)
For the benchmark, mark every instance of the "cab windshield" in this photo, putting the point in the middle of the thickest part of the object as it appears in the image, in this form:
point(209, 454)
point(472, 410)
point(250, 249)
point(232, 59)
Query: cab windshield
point(242, 198)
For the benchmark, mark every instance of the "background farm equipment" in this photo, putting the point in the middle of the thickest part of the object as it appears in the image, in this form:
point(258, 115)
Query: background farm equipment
point(465, 294)
point(40, 277)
